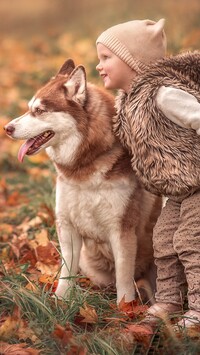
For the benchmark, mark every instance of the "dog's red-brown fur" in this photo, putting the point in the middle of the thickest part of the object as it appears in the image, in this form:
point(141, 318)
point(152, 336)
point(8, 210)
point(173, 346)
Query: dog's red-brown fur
point(105, 217)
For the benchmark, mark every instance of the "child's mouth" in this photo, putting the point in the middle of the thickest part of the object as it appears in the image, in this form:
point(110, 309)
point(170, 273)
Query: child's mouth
point(103, 76)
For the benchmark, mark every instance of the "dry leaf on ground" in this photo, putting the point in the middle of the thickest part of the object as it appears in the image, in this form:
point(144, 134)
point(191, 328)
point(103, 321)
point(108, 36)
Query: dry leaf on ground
point(17, 349)
point(89, 314)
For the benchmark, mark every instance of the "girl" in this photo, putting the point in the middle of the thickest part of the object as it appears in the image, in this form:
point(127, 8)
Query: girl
point(158, 120)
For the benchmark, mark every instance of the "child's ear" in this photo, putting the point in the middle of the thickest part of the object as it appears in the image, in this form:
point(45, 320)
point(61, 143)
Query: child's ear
point(76, 85)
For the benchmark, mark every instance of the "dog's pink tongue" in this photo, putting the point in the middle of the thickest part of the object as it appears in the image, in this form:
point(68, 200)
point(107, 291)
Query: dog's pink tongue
point(24, 148)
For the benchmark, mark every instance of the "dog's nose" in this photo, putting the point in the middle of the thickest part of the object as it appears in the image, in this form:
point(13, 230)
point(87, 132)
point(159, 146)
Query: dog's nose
point(9, 128)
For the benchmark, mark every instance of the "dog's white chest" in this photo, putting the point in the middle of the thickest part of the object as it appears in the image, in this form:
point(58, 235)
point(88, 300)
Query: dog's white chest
point(93, 207)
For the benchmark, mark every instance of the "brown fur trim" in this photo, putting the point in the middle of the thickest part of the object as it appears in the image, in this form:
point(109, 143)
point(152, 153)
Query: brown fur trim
point(165, 156)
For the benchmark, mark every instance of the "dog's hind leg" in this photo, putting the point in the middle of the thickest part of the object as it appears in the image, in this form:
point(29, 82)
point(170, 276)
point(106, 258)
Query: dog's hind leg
point(95, 265)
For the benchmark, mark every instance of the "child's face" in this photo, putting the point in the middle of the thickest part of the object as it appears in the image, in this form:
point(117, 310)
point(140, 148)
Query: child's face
point(115, 73)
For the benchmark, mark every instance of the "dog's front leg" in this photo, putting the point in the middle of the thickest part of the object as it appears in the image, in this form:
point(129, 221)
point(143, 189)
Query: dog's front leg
point(69, 239)
point(70, 246)
point(124, 247)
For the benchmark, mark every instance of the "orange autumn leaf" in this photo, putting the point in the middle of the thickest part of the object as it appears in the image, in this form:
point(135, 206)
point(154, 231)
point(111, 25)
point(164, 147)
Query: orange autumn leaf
point(46, 279)
point(18, 244)
point(132, 309)
point(48, 216)
point(4, 186)
point(142, 333)
point(89, 314)
point(15, 198)
point(49, 281)
point(28, 257)
point(65, 335)
point(192, 333)
point(17, 349)
point(47, 254)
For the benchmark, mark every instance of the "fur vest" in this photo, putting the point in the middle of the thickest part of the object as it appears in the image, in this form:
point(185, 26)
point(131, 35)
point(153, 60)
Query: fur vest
point(165, 156)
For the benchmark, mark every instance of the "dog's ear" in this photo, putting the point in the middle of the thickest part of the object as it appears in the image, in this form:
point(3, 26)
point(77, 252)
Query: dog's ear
point(67, 67)
point(76, 85)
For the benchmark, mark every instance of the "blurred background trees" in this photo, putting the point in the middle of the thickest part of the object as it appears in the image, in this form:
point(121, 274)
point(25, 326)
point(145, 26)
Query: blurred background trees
point(37, 36)
point(90, 17)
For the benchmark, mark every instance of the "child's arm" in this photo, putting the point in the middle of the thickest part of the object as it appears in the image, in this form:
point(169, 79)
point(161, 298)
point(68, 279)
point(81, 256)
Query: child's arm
point(180, 107)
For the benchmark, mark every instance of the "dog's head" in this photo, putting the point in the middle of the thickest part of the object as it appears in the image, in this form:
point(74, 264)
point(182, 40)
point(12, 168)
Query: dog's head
point(51, 111)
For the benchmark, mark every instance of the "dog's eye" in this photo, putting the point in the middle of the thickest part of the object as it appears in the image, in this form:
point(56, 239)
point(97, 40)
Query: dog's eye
point(39, 111)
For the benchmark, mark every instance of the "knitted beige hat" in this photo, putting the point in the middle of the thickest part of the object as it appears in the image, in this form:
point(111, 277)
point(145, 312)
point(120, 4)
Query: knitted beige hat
point(137, 42)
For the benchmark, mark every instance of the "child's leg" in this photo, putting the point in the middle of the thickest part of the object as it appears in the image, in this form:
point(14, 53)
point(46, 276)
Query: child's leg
point(170, 275)
point(170, 279)
point(187, 245)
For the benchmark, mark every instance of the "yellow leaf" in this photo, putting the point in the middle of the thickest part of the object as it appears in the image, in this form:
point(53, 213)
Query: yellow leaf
point(47, 269)
point(42, 238)
point(8, 328)
point(28, 224)
point(89, 314)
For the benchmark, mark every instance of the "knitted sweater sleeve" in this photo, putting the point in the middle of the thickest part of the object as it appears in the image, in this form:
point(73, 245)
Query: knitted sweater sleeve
point(180, 107)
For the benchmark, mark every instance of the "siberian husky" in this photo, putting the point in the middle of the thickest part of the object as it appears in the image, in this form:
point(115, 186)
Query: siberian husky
point(104, 216)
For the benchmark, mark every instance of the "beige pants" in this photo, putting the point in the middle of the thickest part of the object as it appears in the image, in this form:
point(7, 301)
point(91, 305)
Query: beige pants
point(177, 251)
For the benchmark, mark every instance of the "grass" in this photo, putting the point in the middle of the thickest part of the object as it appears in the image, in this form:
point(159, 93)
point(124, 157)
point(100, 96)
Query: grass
point(43, 313)
point(28, 311)
point(22, 293)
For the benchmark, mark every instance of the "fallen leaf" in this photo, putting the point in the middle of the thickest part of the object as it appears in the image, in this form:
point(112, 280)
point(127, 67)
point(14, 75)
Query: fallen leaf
point(17, 349)
point(132, 309)
point(193, 332)
point(48, 217)
point(49, 270)
point(49, 281)
point(89, 314)
point(64, 334)
point(142, 333)
point(15, 325)
point(28, 257)
point(28, 224)
point(8, 327)
point(47, 254)
point(42, 238)
point(19, 243)
point(66, 337)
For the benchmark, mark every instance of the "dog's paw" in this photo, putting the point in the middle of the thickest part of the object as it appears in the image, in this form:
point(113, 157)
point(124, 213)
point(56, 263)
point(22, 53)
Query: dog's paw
point(63, 289)
point(128, 295)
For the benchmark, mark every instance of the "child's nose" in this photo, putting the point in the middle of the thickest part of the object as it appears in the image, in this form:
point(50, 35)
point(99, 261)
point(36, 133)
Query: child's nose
point(98, 67)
